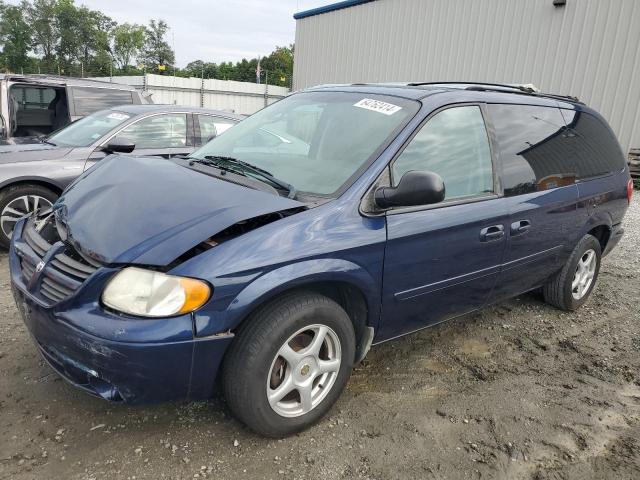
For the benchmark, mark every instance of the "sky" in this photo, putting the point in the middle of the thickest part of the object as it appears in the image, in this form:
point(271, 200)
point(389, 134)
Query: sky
point(214, 30)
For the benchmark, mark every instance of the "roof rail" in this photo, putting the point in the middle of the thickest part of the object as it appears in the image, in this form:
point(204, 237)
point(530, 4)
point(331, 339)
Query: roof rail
point(499, 87)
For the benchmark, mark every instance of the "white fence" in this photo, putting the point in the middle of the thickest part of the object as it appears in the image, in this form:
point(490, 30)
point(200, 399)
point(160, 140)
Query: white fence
point(239, 97)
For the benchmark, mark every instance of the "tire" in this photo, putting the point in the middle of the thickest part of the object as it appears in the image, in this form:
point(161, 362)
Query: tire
point(36, 195)
point(254, 368)
point(560, 292)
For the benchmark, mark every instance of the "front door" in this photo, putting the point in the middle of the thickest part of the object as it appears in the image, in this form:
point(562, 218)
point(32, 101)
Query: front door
point(443, 260)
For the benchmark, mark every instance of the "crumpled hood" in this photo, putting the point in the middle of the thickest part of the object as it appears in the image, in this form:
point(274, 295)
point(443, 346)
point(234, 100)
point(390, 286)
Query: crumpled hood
point(31, 152)
point(150, 211)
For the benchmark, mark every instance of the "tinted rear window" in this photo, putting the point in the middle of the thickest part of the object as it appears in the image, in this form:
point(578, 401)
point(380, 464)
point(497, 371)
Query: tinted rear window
point(88, 100)
point(534, 149)
point(596, 149)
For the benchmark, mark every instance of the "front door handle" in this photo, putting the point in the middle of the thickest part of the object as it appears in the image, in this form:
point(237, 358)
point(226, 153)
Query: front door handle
point(520, 227)
point(492, 233)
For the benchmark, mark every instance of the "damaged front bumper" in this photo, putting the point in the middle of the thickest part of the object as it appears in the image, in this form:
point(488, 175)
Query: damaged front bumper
point(115, 357)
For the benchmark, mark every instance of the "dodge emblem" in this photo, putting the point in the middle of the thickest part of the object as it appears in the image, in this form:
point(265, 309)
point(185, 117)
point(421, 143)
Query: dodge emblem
point(39, 267)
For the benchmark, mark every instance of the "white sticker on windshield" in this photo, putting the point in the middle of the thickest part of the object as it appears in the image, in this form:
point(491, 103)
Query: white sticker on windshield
point(117, 116)
point(378, 106)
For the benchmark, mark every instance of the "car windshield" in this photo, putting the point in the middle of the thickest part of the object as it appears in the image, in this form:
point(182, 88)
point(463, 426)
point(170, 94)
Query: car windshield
point(87, 130)
point(314, 141)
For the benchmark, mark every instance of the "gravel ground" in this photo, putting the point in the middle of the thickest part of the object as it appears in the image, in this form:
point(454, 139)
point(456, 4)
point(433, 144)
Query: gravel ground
point(517, 391)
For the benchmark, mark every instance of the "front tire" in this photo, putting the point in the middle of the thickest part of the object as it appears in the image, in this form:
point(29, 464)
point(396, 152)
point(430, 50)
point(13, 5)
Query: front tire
point(17, 201)
point(570, 288)
point(289, 363)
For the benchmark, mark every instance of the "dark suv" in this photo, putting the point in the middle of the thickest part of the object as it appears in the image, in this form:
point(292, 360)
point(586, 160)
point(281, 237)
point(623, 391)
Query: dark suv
point(380, 210)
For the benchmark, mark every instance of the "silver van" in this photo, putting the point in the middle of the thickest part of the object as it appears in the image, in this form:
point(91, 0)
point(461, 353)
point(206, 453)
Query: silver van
point(35, 105)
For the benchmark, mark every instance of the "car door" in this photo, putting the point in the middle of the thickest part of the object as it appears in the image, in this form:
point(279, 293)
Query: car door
point(209, 126)
point(538, 178)
point(443, 260)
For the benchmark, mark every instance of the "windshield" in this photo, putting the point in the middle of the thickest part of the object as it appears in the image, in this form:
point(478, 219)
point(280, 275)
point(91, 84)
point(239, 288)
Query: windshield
point(315, 141)
point(87, 130)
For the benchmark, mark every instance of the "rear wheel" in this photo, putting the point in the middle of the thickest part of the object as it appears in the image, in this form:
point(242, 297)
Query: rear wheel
point(289, 364)
point(17, 201)
point(571, 287)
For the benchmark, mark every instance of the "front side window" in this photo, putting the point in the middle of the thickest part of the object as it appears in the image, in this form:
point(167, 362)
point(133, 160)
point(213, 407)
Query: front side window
point(88, 130)
point(158, 131)
point(453, 144)
point(87, 100)
point(535, 151)
point(315, 141)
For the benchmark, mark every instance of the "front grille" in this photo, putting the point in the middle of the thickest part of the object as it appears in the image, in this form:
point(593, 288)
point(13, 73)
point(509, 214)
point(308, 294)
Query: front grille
point(64, 272)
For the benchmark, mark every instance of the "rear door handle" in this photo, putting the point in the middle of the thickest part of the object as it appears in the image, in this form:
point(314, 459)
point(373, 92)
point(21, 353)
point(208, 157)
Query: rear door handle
point(492, 233)
point(520, 227)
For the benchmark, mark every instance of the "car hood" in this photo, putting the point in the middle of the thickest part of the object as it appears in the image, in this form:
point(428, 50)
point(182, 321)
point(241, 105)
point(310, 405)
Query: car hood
point(31, 152)
point(150, 211)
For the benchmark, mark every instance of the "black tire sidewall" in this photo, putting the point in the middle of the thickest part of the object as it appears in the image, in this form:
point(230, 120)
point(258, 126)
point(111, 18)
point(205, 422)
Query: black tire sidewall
point(588, 242)
point(256, 368)
point(10, 193)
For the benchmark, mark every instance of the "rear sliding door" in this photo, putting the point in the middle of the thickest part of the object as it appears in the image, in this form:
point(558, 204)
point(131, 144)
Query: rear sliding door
point(539, 184)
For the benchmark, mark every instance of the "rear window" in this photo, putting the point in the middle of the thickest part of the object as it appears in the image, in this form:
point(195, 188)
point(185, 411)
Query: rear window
point(596, 149)
point(535, 150)
point(88, 100)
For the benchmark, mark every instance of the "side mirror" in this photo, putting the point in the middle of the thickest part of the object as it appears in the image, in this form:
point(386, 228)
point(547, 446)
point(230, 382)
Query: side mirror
point(119, 145)
point(415, 188)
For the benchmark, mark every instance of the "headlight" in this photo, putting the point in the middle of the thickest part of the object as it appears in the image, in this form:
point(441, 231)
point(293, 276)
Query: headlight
point(146, 293)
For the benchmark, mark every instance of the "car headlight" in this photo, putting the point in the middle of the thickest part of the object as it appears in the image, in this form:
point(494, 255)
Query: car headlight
point(147, 293)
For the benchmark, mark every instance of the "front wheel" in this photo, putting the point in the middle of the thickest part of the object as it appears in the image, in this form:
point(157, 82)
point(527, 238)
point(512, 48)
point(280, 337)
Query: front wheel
point(571, 287)
point(289, 364)
point(16, 201)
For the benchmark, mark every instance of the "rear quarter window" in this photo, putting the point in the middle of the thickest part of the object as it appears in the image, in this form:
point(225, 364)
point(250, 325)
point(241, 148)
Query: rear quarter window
point(595, 148)
point(87, 100)
point(535, 152)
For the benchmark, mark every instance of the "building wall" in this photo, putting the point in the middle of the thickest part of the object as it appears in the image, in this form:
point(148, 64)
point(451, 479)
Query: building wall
point(589, 48)
point(239, 97)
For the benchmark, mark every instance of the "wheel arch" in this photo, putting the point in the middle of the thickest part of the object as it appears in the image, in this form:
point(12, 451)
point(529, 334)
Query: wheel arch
point(41, 181)
point(348, 284)
point(602, 233)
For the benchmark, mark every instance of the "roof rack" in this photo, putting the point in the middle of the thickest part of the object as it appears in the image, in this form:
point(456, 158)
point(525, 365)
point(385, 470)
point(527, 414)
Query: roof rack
point(498, 87)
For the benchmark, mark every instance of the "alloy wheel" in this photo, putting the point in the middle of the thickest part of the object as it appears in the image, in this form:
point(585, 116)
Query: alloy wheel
point(303, 371)
point(18, 208)
point(585, 271)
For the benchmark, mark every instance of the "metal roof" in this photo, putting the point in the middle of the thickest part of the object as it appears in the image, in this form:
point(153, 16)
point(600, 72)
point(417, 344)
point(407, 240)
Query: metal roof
point(330, 8)
point(417, 90)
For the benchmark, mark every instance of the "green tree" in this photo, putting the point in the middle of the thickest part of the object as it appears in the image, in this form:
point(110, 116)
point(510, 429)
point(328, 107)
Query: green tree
point(15, 37)
point(40, 15)
point(128, 40)
point(156, 50)
point(279, 65)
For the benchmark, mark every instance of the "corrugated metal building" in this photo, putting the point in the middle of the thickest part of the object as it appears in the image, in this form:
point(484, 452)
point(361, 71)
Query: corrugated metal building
point(586, 48)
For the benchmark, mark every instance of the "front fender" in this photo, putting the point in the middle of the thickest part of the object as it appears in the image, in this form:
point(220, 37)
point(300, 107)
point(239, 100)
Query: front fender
point(289, 277)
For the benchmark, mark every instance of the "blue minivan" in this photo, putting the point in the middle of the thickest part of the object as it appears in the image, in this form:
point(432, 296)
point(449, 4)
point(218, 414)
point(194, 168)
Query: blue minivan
point(274, 256)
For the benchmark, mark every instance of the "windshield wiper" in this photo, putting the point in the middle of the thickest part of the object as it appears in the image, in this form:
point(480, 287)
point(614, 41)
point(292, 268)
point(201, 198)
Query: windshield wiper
point(243, 168)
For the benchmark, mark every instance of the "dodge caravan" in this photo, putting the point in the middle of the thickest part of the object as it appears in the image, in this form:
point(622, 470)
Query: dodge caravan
point(275, 255)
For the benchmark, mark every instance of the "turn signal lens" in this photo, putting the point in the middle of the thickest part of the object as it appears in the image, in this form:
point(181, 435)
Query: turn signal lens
point(196, 294)
point(629, 190)
point(146, 293)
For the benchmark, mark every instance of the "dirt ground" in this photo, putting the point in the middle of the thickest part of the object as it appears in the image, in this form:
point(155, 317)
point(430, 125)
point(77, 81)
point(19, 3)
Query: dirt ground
point(517, 391)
